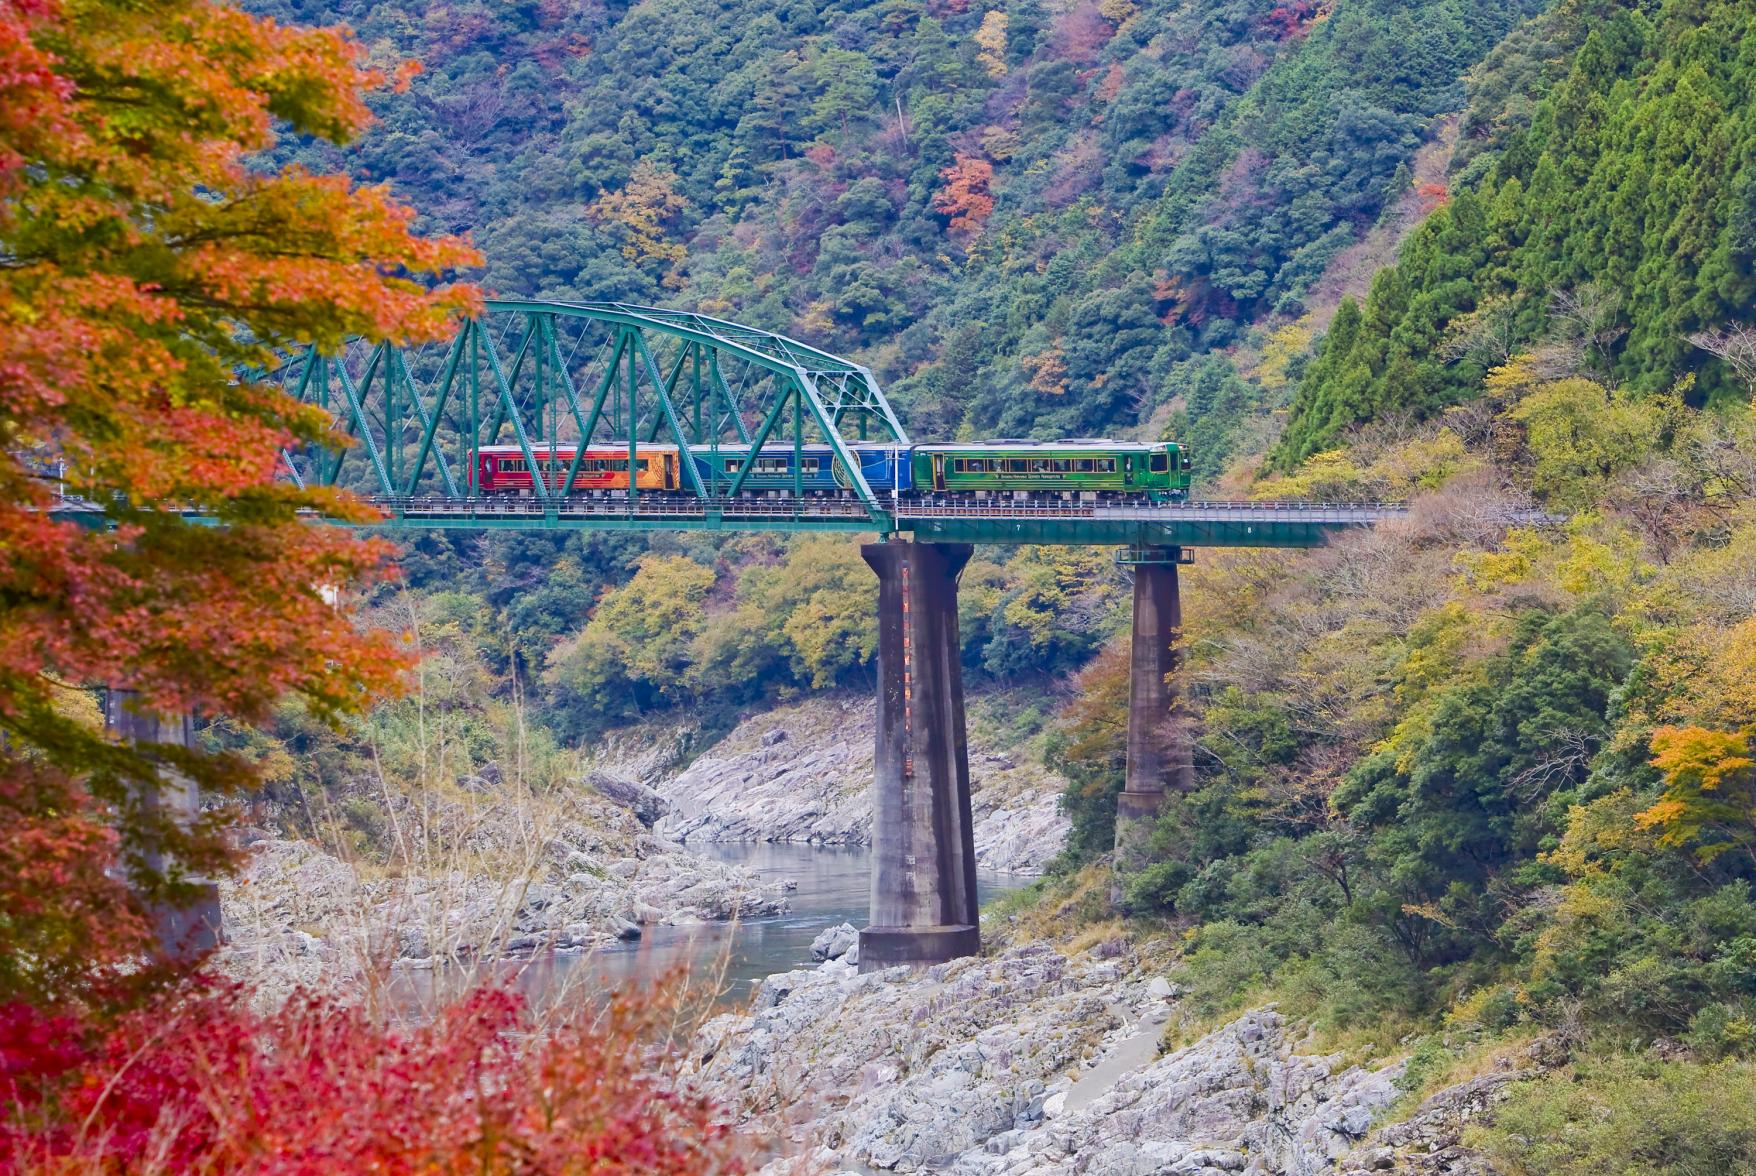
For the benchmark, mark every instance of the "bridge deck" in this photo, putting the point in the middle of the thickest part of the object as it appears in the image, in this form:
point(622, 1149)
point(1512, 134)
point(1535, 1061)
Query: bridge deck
point(1185, 524)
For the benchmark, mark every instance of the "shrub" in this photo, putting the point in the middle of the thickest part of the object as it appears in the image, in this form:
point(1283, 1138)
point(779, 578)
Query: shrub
point(1626, 1116)
point(1227, 963)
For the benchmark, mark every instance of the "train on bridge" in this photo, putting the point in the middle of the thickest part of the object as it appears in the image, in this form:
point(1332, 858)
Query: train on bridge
point(1090, 470)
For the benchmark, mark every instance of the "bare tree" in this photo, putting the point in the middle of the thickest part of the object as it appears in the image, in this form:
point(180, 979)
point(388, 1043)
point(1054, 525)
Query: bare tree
point(1586, 322)
point(1734, 346)
point(1563, 761)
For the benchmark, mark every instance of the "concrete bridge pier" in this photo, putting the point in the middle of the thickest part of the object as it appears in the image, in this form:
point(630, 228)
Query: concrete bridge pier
point(1160, 752)
point(924, 907)
point(194, 928)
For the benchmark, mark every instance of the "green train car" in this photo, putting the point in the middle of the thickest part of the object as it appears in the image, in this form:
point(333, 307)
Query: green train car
point(1102, 469)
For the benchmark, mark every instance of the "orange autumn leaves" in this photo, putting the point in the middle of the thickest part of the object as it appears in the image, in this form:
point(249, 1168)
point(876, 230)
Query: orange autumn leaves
point(151, 257)
point(965, 198)
point(1710, 790)
point(1709, 765)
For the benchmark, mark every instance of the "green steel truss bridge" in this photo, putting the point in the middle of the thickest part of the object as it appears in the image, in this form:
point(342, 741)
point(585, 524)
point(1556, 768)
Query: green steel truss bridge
point(410, 423)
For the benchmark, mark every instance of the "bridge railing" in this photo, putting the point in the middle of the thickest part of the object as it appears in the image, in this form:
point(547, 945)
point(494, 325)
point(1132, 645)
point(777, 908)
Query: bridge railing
point(644, 506)
point(660, 507)
point(1000, 508)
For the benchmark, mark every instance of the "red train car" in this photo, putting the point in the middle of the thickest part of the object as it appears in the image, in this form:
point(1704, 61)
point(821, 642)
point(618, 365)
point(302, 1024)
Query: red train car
point(502, 469)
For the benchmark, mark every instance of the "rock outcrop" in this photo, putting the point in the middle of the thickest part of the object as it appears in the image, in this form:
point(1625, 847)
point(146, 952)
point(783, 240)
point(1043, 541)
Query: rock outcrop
point(1429, 1141)
point(1033, 1063)
point(836, 943)
point(647, 805)
point(801, 773)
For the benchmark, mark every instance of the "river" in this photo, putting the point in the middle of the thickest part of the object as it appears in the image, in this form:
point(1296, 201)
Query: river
point(834, 884)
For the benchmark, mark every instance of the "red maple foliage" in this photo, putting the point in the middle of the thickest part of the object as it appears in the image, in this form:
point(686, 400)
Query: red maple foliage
point(210, 1086)
point(1432, 196)
point(1291, 20)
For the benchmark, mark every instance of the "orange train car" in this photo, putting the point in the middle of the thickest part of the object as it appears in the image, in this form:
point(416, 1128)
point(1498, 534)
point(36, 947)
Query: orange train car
point(503, 469)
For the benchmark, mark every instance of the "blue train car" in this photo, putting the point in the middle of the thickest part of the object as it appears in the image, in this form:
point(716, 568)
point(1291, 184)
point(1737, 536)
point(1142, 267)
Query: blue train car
point(886, 469)
point(773, 470)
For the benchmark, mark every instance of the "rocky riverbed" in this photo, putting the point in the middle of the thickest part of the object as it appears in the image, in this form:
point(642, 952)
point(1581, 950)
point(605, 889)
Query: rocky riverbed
point(801, 773)
point(1034, 1062)
point(477, 882)
point(477, 870)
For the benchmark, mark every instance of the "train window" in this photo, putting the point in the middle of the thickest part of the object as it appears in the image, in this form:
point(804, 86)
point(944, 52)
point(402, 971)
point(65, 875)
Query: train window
point(981, 465)
point(1062, 465)
point(1083, 465)
point(810, 465)
point(1106, 465)
point(1161, 462)
point(733, 465)
point(1188, 462)
point(511, 465)
point(1013, 465)
point(959, 466)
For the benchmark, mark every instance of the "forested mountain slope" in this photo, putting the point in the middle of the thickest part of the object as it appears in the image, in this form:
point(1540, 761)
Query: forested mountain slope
point(1619, 223)
point(1484, 788)
point(1027, 217)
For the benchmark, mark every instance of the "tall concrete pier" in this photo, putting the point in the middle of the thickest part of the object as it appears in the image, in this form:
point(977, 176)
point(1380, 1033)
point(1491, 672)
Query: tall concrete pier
point(194, 927)
point(924, 906)
point(1160, 753)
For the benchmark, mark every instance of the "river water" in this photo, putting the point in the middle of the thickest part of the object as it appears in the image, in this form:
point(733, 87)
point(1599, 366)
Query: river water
point(834, 884)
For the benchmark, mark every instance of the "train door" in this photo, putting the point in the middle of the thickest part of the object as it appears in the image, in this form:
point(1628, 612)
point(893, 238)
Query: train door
point(938, 471)
point(1128, 470)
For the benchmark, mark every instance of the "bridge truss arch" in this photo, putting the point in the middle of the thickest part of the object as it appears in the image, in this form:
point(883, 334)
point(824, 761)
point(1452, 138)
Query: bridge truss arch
point(544, 374)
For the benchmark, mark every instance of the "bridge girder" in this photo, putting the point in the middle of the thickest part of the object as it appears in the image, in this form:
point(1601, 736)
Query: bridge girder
point(412, 413)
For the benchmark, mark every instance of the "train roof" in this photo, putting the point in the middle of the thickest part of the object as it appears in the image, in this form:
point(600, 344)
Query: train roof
point(569, 447)
point(1013, 445)
point(811, 447)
